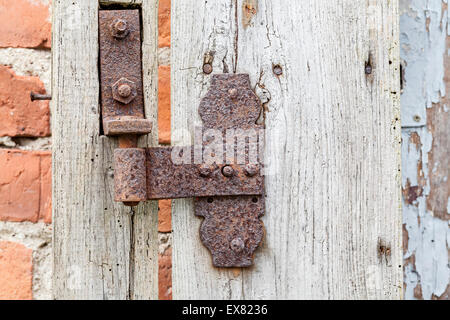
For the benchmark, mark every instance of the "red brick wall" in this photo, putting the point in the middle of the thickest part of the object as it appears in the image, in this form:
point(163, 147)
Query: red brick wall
point(25, 169)
point(164, 223)
point(25, 175)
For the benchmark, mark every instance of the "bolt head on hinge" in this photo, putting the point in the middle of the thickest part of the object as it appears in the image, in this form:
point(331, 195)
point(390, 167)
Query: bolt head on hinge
point(124, 90)
point(119, 29)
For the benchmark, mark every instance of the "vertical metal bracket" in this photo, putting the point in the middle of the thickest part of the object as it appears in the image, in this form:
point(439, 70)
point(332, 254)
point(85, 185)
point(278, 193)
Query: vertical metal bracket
point(121, 73)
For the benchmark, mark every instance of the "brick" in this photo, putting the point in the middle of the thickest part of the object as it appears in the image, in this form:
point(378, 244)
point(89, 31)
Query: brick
point(25, 193)
point(165, 275)
point(45, 202)
point(18, 115)
point(16, 269)
point(164, 104)
point(164, 23)
point(24, 24)
point(165, 216)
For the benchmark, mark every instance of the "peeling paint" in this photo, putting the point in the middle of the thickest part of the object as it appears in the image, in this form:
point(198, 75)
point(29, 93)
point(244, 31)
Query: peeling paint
point(425, 147)
point(423, 45)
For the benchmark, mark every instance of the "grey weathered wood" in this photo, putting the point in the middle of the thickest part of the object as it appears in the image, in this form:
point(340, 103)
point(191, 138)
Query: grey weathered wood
point(101, 250)
point(333, 216)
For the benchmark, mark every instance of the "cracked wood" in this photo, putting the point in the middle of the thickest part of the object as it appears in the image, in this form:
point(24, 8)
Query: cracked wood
point(333, 215)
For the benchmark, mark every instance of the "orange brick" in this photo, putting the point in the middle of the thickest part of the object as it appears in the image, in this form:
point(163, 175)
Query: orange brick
point(164, 23)
point(165, 275)
point(24, 188)
point(18, 115)
point(24, 24)
point(16, 266)
point(45, 203)
point(165, 216)
point(164, 104)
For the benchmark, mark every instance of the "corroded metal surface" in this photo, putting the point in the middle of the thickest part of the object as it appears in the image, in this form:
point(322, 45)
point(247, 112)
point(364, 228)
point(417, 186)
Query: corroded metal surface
point(166, 180)
point(129, 175)
point(127, 126)
point(229, 188)
point(230, 103)
point(121, 70)
point(231, 230)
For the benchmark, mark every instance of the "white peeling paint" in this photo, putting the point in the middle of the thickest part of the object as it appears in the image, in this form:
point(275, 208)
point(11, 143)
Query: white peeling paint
point(422, 50)
point(448, 205)
point(422, 53)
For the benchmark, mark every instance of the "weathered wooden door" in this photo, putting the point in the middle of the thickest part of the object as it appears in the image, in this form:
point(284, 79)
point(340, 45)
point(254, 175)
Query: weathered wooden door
point(327, 73)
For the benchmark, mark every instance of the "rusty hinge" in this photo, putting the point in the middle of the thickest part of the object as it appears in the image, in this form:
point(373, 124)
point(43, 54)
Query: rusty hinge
point(223, 171)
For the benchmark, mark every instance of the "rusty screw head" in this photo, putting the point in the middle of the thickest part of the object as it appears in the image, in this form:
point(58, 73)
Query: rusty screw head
point(207, 68)
point(277, 70)
point(237, 245)
point(124, 90)
point(251, 169)
point(233, 93)
point(119, 29)
point(227, 171)
point(205, 170)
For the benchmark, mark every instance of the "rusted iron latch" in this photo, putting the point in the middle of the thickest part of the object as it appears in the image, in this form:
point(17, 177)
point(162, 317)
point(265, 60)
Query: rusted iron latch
point(222, 171)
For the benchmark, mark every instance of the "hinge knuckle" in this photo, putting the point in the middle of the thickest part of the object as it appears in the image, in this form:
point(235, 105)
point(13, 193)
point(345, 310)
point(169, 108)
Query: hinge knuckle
point(130, 175)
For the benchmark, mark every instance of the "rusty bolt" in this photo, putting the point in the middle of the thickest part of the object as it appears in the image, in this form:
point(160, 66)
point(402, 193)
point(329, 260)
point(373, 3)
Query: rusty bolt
point(251, 170)
point(227, 171)
point(205, 170)
point(233, 93)
point(119, 29)
point(207, 68)
point(124, 90)
point(237, 245)
point(277, 70)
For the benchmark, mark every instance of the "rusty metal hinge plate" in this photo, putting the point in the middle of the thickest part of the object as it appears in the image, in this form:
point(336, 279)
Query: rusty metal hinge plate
point(121, 73)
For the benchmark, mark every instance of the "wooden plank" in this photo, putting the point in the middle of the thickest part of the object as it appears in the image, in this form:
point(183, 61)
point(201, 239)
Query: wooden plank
point(145, 224)
point(426, 148)
point(333, 216)
point(101, 249)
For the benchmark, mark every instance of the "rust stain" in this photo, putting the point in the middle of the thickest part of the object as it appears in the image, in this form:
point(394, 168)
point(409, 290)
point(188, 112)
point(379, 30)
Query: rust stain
point(411, 193)
point(438, 122)
point(415, 139)
point(249, 10)
point(444, 296)
point(383, 250)
point(236, 272)
point(405, 240)
point(418, 292)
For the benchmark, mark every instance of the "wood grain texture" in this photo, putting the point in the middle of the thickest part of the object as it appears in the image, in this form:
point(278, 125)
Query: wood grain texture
point(101, 249)
point(333, 216)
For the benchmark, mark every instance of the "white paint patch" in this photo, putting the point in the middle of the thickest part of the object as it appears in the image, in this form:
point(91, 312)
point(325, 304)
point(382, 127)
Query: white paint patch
point(423, 46)
point(423, 56)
